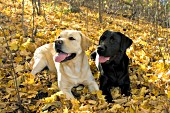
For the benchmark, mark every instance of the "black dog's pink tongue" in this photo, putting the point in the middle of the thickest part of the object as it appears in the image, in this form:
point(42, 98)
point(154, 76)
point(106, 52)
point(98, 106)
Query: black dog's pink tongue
point(103, 59)
point(60, 57)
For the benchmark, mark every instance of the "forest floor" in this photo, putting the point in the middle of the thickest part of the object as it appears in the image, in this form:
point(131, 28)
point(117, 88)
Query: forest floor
point(149, 56)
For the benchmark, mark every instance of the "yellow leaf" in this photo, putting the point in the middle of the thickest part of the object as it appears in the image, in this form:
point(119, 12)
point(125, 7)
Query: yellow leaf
point(22, 94)
point(155, 92)
point(135, 91)
point(144, 104)
point(18, 59)
point(32, 94)
point(100, 96)
point(143, 91)
point(24, 53)
point(75, 103)
point(168, 94)
point(82, 99)
point(85, 90)
point(19, 68)
point(115, 107)
point(19, 80)
point(19, 1)
point(65, 110)
point(39, 34)
point(59, 93)
point(2, 105)
point(84, 107)
point(9, 90)
point(153, 78)
point(14, 45)
point(115, 92)
point(32, 107)
point(143, 42)
point(96, 75)
point(132, 109)
point(6, 97)
point(143, 67)
point(30, 81)
point(92, 102)
point(26, 44)
point(48, 100)
point(120, 101)
point(17, 35)
point(133, 77)
point(1, 39)
point(1, 61)
point(53, 87)
point(153, 98)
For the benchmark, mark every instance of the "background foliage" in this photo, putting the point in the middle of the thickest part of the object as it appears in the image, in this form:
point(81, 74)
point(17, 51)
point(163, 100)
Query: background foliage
point(26, 25)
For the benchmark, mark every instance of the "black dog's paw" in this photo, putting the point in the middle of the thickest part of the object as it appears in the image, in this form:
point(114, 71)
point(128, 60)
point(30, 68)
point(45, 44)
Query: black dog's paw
point(109, 100)
point(126, 92)
point(93, 55)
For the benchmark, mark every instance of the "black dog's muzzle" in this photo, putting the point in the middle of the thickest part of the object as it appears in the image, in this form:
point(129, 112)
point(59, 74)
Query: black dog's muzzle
point(101, 49)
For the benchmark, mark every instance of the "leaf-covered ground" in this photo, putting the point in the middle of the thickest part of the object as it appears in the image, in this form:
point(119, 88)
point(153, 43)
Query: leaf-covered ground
point(149, 54)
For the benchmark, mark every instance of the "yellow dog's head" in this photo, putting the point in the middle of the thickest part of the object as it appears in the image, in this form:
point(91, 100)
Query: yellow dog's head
point(69, 44)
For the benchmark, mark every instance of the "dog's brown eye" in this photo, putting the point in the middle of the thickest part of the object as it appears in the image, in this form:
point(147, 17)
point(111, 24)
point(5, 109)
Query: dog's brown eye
point(71, 38)
point(59, 37)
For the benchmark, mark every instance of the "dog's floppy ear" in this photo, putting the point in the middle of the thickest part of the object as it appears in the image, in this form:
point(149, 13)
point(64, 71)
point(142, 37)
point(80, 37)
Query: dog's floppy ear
point(85, 42)
point(125, 42)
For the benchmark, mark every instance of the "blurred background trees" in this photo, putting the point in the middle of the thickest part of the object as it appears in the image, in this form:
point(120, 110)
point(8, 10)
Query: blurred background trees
point(155, 11)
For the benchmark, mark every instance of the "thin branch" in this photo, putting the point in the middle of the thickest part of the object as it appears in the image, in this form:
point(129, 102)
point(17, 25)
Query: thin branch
point(13, 73)
point(44, 14)
point(39, 5)
point(87, 12)
point(33, 15)
point(100, 11)
point(22, 13)
point(23, 27)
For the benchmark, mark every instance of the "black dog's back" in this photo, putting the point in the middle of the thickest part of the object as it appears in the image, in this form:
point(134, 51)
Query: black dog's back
point(114, 72)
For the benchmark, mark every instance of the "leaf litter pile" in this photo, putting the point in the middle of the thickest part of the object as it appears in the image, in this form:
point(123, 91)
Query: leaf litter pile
point(149, 66)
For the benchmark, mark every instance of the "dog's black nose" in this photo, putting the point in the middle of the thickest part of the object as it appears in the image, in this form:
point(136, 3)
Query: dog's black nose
point(100, 48)
point(59, 42)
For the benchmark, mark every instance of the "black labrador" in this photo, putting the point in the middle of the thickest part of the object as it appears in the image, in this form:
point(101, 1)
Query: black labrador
point(112, 62)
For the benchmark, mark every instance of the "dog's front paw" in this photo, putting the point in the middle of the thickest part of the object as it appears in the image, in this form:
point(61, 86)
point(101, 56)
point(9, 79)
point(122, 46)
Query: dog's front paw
point(109, 100)
point(125, 90)
point(127, 93)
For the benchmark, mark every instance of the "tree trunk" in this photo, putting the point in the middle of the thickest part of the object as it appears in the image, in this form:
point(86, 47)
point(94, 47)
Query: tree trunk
point(23, 14)
point(39, 7)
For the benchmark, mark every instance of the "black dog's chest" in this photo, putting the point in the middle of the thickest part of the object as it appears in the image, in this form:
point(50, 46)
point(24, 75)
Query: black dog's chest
point(114, 73)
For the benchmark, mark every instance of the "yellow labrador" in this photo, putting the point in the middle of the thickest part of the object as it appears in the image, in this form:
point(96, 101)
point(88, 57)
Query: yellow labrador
point(66, 57)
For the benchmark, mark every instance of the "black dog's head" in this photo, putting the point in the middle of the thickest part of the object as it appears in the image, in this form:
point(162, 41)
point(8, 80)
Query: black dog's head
point(112, 44)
